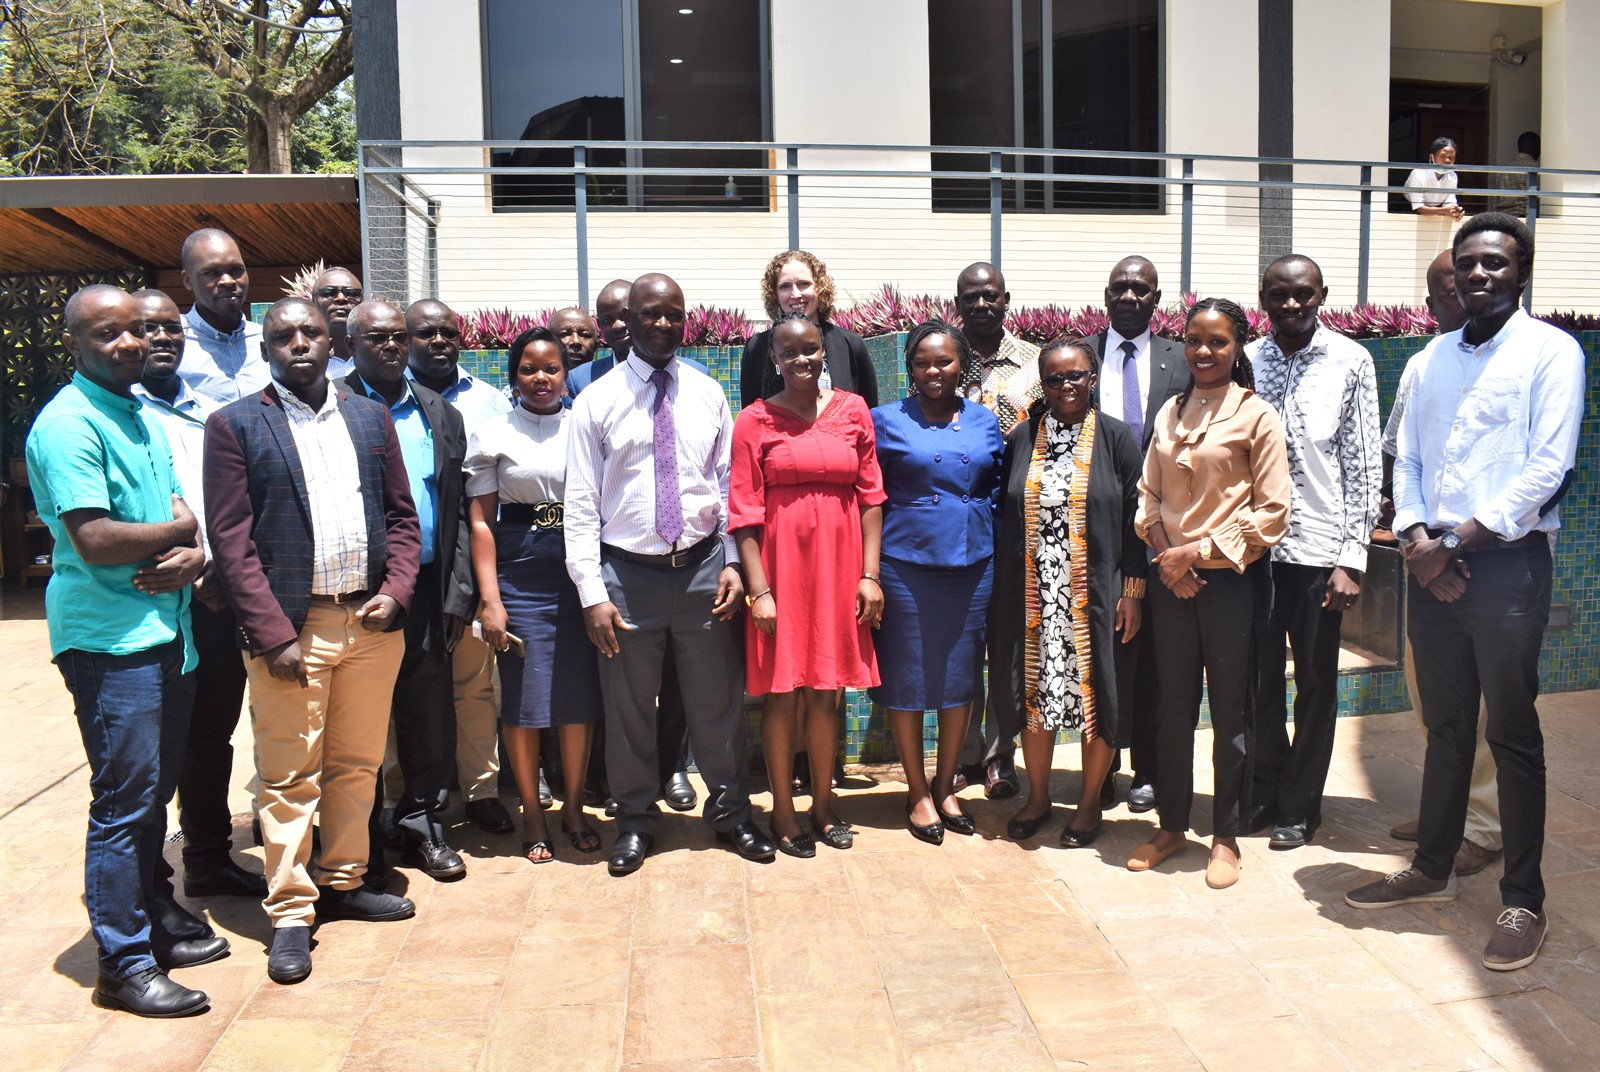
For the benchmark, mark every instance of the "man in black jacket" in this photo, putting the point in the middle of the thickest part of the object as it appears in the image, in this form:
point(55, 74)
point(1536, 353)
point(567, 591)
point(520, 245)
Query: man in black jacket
point(434, 443)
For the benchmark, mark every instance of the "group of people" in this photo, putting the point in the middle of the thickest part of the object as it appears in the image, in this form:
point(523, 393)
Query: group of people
point(1431, 189)
point(1105, 524)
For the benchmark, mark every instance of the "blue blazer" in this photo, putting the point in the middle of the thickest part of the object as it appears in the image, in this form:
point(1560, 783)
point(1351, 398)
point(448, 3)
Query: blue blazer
point(943, 484)
point(258, 516)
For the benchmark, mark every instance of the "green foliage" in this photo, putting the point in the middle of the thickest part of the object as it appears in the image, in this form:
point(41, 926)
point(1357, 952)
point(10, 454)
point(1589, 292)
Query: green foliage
point(324, 139)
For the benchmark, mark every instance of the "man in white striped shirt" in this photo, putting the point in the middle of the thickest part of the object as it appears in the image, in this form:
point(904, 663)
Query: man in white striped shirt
point(650, 554)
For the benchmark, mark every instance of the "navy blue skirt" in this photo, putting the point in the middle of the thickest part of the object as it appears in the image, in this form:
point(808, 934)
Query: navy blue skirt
point(930, 647)
point(558, 684)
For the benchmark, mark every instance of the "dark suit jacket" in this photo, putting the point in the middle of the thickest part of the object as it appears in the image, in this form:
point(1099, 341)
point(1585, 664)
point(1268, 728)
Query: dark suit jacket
point(1165, 371)
point(259, 522)
point(1115, 552)
point(452, 547)
point(849, 366)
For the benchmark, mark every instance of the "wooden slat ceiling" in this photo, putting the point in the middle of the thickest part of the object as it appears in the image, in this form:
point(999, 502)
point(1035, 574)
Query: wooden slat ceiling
point(64, 237)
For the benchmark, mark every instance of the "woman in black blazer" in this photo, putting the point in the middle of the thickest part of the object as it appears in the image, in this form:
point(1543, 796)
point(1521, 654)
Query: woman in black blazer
point(1069, 581)
point(798, 282)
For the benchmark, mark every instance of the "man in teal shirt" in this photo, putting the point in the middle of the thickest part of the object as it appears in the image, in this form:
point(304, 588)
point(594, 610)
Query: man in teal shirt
point(118, 612)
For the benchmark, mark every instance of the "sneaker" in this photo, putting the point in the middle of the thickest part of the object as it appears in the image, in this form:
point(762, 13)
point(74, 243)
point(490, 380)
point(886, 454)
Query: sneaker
point(1518, 934)
point(362, 903)
point(1403, 887)
point(1472, 858)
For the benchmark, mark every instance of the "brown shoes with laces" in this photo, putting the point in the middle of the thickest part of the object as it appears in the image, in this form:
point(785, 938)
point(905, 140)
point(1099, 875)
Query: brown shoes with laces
point(1518, 934)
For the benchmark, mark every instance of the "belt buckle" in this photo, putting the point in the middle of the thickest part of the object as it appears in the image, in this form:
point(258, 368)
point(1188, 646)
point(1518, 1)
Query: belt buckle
point(548, 515)
point(678, 559)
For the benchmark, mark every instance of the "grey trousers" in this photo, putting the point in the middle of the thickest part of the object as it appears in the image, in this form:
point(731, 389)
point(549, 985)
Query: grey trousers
point(663, 604)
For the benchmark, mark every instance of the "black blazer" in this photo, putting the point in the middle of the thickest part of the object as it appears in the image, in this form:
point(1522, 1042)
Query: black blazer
point(452, 546)
point(1115, 552)
point(259, 522)
point(1166, 372)
point(849, 366)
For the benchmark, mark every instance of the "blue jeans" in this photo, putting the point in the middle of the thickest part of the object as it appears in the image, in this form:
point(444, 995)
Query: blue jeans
point(133, 715)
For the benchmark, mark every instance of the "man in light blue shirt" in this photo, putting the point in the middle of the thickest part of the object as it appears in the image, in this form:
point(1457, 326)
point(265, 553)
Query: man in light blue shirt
point(1487, 445)
point(225, 362)
point(118, 611)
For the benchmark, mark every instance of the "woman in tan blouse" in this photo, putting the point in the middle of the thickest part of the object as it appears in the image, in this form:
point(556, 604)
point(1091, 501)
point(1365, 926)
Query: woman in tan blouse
point(1214, 498)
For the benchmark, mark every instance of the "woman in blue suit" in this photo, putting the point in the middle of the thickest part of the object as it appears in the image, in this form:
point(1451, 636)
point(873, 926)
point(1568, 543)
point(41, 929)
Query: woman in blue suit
point(940, 457)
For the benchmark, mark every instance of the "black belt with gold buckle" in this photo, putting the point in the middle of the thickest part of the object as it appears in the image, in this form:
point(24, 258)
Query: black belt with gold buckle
point(540, 515)
point(339, 598)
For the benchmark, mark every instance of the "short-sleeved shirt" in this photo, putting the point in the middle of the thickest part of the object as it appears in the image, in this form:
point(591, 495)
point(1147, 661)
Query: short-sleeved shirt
point(223, 366)
point(520, 456)
point(91, 449)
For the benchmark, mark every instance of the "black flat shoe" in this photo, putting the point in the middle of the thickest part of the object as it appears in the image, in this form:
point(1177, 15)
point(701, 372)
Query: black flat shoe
point(1078, 839)
point(1023, 829)
point(679, 792)
point(1141, 797)
point(289, 959)
point(149, 993)
point(628, 852)
point(802, 846)
point(748, 841)
point(933, 833)
point(1291, 835)
point(188, 952)
point(959, 823)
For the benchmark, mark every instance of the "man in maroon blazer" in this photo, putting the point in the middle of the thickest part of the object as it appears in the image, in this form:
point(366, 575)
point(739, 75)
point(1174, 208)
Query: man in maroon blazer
point(316, 541)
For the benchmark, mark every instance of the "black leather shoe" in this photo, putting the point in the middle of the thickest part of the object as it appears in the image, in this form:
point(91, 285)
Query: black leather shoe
point(363, 903)
point(149, 993)
point(436, 859)
point(1261, 816)
point(1108, 791)
point(172, 922)
point(546, 798)
point(227, 880)
point(1000, 778)
point(188, 952)
point(1078, 839)
point(613, 809)
point(933, 833)
point(1141, 797)
point(628, 852)
point(289, 959)
point(959, 823)
point(748, 841)
point(490, 815)
point(1023, 829)
point(1290, 834)
point(678, 792)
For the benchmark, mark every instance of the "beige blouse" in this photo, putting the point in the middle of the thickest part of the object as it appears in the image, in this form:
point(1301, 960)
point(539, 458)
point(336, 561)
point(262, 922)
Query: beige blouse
point(1219, 469)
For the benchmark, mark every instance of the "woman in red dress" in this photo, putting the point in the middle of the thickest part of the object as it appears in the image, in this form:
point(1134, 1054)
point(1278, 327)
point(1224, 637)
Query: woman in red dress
point(805, 503)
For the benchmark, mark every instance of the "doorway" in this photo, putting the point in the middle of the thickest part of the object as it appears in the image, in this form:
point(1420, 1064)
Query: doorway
point(1419, 112)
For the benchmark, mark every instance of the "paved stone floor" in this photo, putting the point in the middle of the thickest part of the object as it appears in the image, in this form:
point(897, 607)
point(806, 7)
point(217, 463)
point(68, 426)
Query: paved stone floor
point(981, 954)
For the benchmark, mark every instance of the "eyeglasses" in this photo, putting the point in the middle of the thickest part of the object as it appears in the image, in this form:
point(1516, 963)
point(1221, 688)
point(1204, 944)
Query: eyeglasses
point(173, 328)
point(353, 293)
point(1059, 380)
point(380, 339)
point(436, 333)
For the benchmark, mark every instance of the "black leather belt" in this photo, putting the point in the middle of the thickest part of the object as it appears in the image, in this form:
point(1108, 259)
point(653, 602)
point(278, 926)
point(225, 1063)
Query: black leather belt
point(689, 556)
point(339, 598)
point(539, 515)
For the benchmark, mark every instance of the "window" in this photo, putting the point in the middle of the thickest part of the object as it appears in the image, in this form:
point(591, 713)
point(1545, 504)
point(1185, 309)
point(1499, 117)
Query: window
point(628, 70)
point(1046, 74)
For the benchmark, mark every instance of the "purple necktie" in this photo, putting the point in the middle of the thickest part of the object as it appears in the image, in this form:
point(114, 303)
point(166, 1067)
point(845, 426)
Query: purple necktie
point(1132, 411)
point(669, 510)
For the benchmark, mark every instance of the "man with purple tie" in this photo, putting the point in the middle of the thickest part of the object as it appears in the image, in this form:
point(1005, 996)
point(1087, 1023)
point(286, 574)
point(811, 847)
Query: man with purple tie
point(649, 551)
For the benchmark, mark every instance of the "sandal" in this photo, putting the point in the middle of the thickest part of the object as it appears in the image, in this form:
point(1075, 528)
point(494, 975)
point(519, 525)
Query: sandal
point(839, 835)
point(584, 840)
point(530, 848)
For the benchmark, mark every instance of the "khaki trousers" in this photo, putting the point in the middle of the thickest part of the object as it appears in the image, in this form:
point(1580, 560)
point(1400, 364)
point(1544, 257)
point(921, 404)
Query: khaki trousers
point(477, 727)
point(1483, 801)
point(317, 756)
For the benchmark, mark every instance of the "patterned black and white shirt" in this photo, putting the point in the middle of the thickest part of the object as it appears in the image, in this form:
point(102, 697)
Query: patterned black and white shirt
point(1327, 396)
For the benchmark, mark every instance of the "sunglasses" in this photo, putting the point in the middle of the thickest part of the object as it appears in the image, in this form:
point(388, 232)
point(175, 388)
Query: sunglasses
point(436, 333)
point(377, 339)
point(353, 293)
point(1058, 380)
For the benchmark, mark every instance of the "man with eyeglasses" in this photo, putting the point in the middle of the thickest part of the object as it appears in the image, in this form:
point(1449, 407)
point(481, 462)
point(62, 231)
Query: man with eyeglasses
point(336, 292)
point(434, 362)
point(203, 812)
point(434, 445)
point(225, 363)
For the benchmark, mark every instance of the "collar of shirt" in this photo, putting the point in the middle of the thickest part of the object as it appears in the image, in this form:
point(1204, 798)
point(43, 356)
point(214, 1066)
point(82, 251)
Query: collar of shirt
point(407, 396)
point(643, 370)
point(464, 381)
point(295, 407)
point(1517, 319)
point(1114, 342)
point(203, 328)
point(104, 398)
point(187, 404)
point(1273, 352)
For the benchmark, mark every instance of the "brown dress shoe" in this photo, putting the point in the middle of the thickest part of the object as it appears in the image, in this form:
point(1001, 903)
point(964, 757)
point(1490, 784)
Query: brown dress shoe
point(1472, 858)
point(1518, 934)
point(1406, 831)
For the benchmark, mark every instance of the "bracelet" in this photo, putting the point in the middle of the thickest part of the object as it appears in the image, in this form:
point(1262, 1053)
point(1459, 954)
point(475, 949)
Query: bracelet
point(1133, 587)
point(873, 577)
point(750, 601)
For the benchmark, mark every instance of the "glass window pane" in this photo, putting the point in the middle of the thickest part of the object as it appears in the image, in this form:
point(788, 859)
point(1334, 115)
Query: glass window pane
point(970, 93)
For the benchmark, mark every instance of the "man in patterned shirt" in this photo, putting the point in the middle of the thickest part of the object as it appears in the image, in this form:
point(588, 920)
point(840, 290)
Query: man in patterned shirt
point(1323, 386)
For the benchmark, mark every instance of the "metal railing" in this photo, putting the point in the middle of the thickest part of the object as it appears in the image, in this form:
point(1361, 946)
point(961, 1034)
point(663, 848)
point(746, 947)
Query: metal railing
point(525, 223)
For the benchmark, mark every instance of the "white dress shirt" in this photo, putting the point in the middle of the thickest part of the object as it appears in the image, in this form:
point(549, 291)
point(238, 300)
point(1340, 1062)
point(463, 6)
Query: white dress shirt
point(611, 490)
point(1111, 375)
point(1428, 186)
point(333, 494)
point(1490, 431)
point(223, 366)
point(521, 456)
point(183, 420)
point(1327, 395)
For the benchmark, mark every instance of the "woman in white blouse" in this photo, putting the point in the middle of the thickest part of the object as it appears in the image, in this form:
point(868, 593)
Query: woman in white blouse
point(516, 482)
point(1432, 189)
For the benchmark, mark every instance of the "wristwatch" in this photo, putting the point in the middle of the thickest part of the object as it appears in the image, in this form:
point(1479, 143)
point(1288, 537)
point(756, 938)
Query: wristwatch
point(1205, 548)
point(1451, 541)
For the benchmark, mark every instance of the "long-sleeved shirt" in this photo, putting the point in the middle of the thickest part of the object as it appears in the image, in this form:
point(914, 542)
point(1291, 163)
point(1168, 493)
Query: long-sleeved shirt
point(1326, 394)
point(224, 367)
point(1490, 431)
point(478, 401)
point(183, 421)
point(333, 494)
point(611, 491)
point(1218, 469)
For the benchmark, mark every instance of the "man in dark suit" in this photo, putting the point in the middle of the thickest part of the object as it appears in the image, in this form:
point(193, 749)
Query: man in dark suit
point(433, 440)
point(315, 540)
point(1139, 371)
